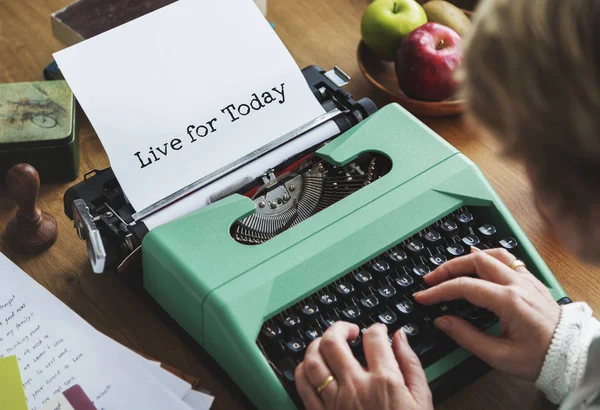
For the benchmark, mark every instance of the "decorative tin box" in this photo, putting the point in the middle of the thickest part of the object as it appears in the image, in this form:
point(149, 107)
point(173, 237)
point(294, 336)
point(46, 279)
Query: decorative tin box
point(38, 126)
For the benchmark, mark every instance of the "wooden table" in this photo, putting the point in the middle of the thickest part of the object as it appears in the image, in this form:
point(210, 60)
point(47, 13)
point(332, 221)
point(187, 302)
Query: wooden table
point(319, 32)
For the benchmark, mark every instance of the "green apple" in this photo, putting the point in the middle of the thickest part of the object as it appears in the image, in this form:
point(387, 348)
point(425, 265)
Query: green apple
point(386, 22)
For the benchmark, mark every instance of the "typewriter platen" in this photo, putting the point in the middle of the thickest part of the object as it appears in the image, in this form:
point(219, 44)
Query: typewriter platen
point(343, 233)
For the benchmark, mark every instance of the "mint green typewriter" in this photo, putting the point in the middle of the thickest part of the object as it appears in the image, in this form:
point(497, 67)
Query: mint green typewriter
point(347, 235)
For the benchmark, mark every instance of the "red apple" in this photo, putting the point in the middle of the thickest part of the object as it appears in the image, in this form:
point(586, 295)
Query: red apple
point(426, 61)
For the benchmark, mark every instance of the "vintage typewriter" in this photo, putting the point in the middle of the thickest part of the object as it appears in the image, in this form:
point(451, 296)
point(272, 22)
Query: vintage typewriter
point(343, 231)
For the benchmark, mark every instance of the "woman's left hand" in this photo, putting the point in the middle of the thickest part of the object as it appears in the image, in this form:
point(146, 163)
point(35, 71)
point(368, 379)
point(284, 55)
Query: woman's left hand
point(394, 379)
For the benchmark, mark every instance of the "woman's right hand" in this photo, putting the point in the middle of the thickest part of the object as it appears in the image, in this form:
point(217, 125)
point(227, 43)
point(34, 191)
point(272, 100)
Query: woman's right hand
point(528, 313)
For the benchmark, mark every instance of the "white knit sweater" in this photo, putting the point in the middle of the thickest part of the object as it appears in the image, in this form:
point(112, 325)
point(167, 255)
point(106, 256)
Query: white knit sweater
point(571, 371)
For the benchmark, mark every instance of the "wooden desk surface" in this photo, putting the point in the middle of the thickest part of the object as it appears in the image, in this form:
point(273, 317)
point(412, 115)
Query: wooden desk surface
point(319, 32)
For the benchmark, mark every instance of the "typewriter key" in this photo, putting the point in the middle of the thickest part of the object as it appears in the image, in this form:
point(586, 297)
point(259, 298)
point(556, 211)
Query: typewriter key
point(432, 237)
point(508, 243)
point(456, 249)
point(410, 329)
point(380, 266)
point(370, 301)
point(421, 270)
point(309, 310)
point(351, 313)
point(398, 256)
point(387, 291)
point(438, 259)
point(312, 333)
point(449, 228)
point(471, 240)
point(405, 307)
point(404, 280)
point(296, 346)
point(362, 277)
point(387, 317)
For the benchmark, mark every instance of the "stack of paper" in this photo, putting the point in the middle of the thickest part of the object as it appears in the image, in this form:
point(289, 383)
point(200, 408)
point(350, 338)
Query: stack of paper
point(56, 349)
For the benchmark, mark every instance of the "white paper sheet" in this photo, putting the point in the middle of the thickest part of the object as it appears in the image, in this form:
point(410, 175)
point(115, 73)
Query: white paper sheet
point(56, 349)
point(198, 400)
point(186, 90)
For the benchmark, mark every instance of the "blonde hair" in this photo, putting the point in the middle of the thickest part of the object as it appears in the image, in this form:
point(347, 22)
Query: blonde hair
point(531, 76)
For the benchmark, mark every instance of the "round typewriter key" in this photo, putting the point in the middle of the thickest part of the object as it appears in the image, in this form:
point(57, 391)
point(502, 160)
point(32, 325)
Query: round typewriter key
point(438, 259)
point(387, 291)
point(370, 301)
point(296, 346)
point(312, 333)
point(271, 331)
point(487, 230)
point(508, 243)
point(398, 256)
point(410, 329)
point(329, 321)
point(415, 247)
point(464, 217)
point(344, 288)
point(327, 299)
point(291, 321)
point(421, 270)
point(362, 276)
point(471, 240)
point(309, 309)
point(404, 280)
point(351, 313)
point(387, 317)
point(449, 228)
point(380, 266)
point(432, 236)
point(456, 249)
point(405, 306)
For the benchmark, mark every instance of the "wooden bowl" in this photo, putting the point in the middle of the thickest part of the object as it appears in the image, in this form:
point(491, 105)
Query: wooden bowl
point(382, 75)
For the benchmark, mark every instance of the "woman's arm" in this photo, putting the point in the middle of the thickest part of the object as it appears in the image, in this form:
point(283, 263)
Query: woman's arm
point(567, 355)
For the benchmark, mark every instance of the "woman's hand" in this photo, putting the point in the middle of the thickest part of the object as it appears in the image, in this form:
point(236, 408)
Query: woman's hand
point(394, 379)
point(528, 313)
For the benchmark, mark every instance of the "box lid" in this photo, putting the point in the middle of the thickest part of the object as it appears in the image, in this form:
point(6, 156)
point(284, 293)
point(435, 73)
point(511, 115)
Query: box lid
point(36, 113)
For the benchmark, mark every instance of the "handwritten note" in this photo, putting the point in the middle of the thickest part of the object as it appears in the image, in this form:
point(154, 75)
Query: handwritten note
point(12, 395)
point(183, 91)
point(45, 359)
point(57, 349)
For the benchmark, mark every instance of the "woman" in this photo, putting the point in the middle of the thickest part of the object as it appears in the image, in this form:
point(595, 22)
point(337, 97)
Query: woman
point(531, 77)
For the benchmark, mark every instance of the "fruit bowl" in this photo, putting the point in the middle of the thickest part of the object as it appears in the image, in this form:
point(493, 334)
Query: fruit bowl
point(382, 75)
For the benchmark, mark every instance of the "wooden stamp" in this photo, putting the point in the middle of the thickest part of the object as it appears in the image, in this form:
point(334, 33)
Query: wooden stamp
point(31, 230)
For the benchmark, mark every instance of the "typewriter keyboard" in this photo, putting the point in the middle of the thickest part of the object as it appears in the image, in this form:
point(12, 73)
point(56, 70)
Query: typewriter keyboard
point(381, 291)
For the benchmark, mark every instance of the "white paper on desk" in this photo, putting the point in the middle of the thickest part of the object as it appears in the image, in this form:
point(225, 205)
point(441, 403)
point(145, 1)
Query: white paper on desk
point(143, 84)
point(56, 349)
point(198, 400)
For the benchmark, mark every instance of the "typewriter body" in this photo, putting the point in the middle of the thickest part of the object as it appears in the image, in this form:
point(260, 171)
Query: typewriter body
point(342, 233)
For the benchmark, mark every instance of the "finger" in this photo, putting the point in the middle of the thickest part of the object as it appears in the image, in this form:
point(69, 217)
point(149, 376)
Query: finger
point(411, 368)
point(480, 263)
point(306, 391)
point(479, 292)
point(335, 350)
point(506, 258)
point(378, 352)
point(492, 350)
point(317, 372)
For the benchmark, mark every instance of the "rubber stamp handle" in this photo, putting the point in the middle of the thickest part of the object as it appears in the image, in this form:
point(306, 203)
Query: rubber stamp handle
point(23, 184)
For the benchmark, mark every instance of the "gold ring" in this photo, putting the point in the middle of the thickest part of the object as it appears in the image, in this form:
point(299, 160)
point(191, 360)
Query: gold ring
point(325, 384)
point(517, 264)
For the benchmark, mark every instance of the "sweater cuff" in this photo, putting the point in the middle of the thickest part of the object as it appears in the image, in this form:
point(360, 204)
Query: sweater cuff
point(566, 359)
